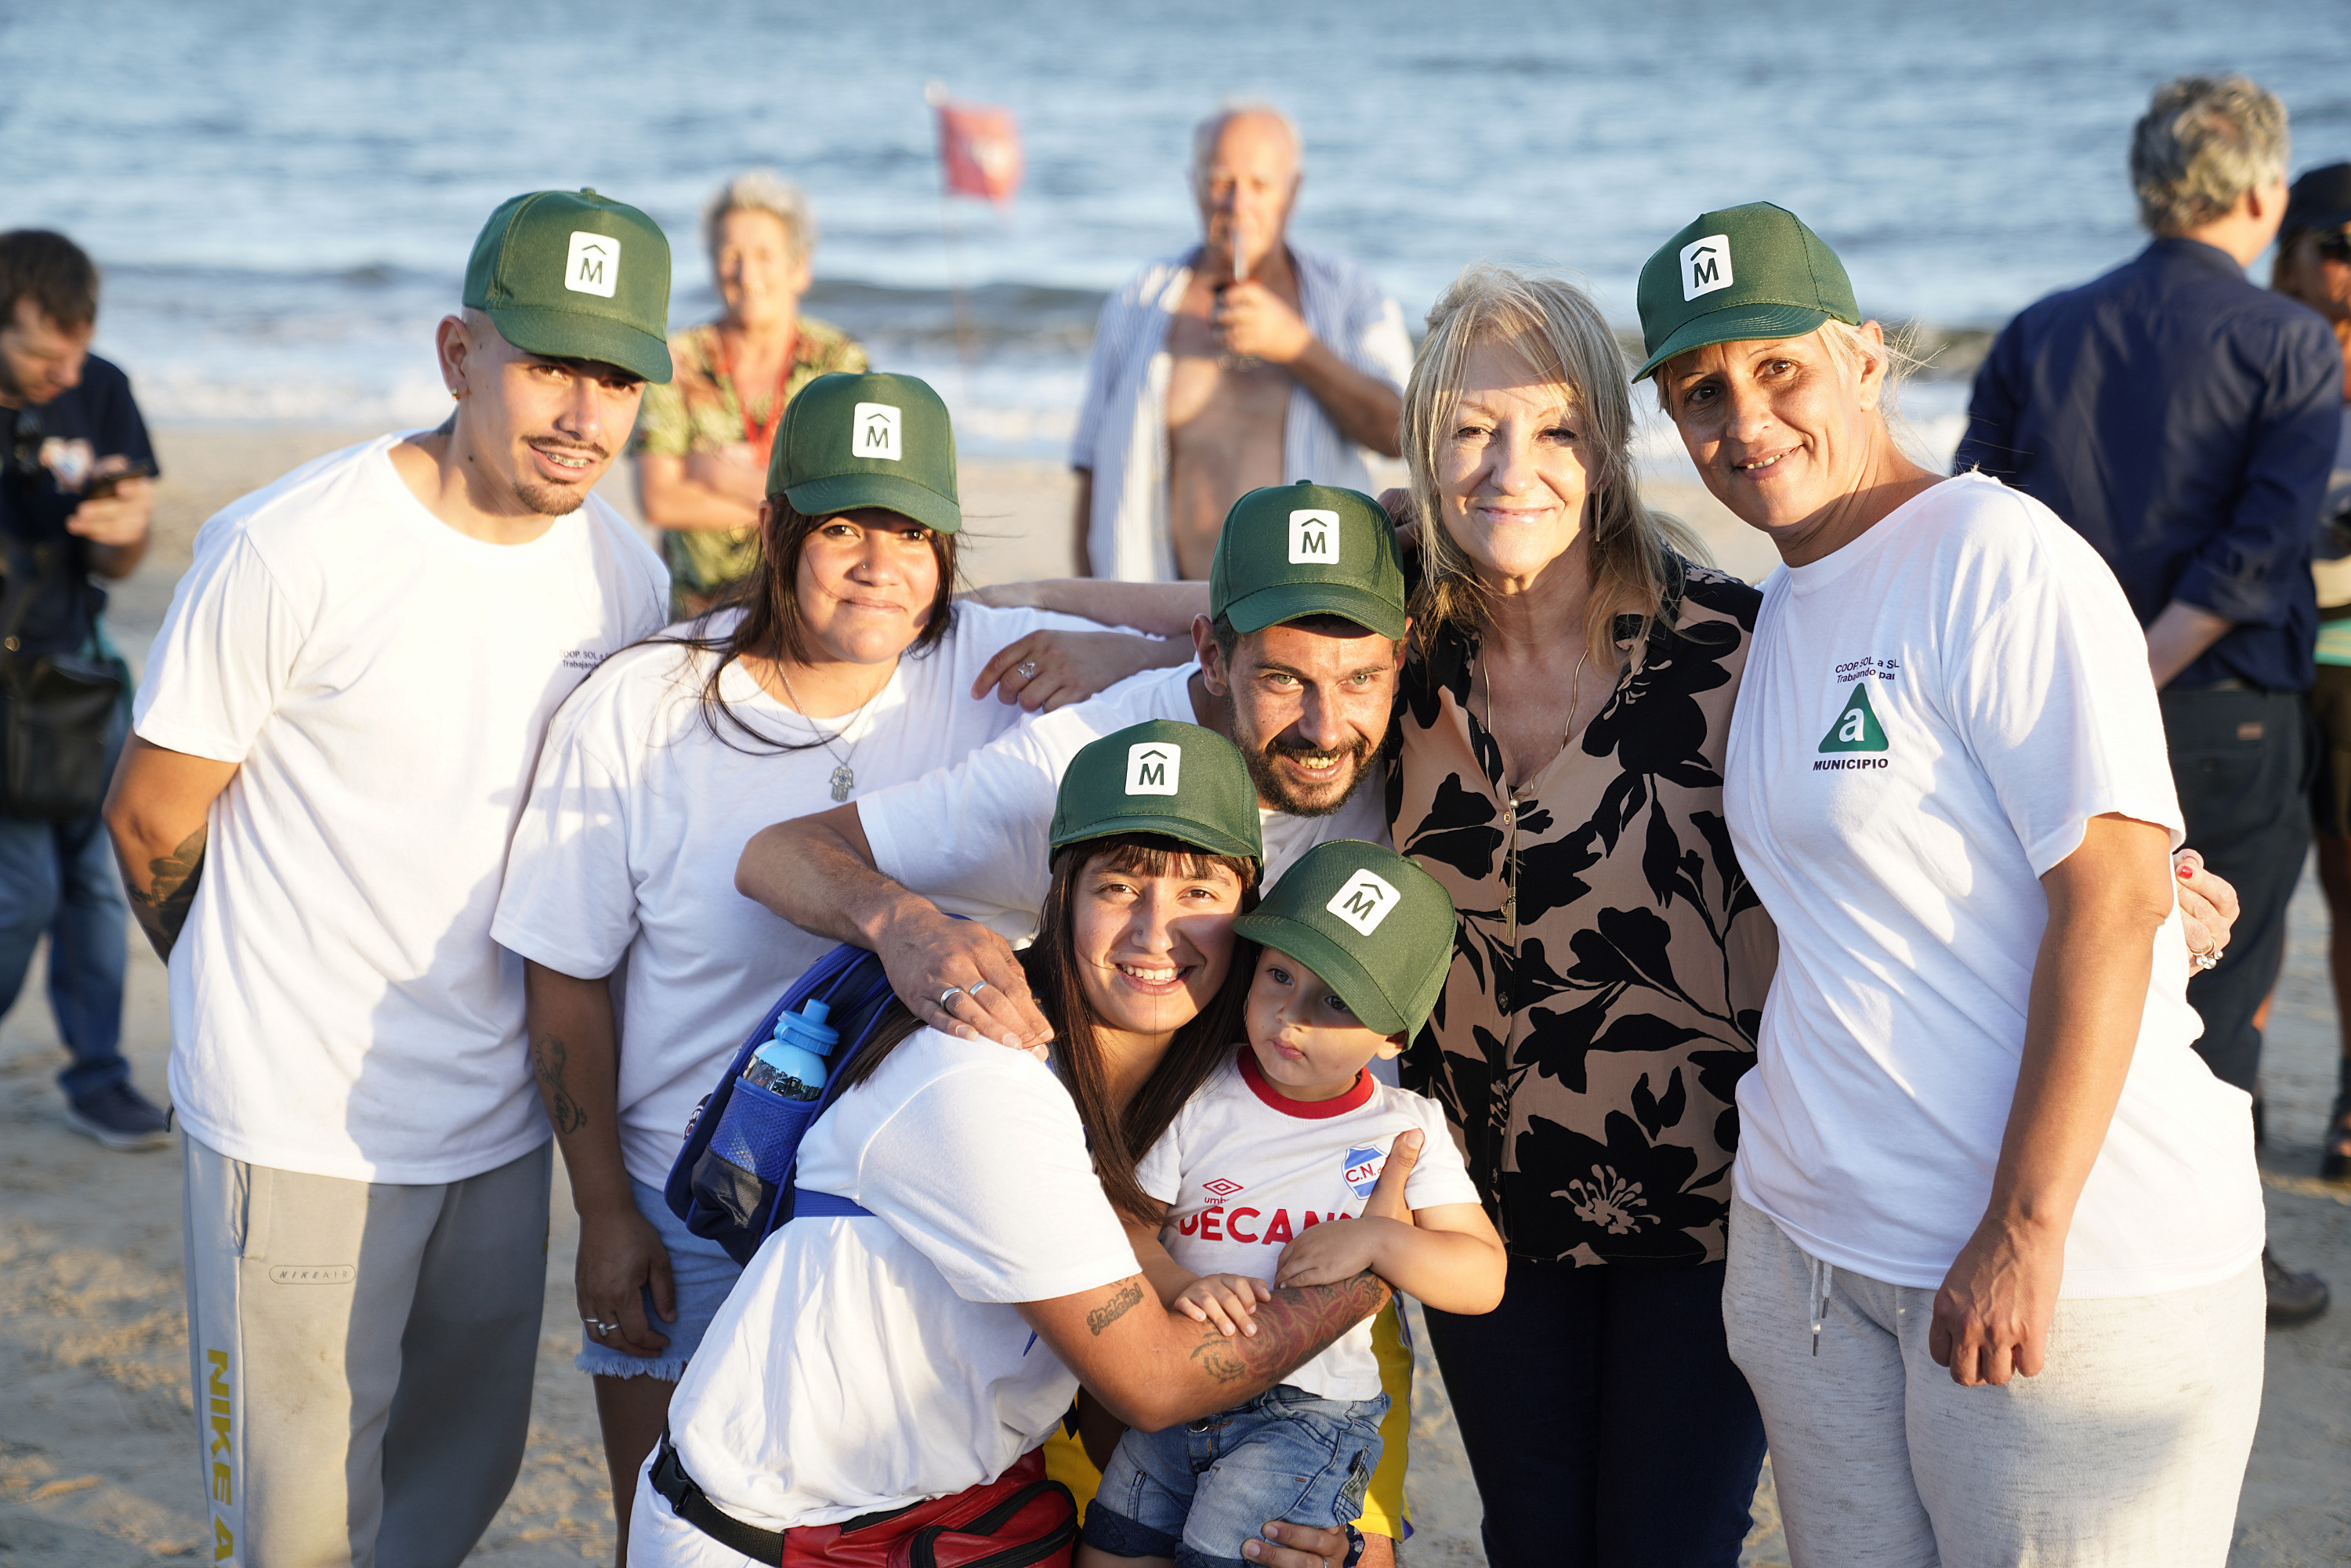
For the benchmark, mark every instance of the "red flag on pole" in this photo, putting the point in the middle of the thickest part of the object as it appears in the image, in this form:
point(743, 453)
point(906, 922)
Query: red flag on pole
point(979, 146)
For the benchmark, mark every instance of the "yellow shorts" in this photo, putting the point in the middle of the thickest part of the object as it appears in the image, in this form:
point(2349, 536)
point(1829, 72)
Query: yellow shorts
point(1383, 1508)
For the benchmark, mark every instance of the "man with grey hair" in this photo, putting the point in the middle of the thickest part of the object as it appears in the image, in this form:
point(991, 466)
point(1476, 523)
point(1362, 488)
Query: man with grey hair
point(2183, 421)
point(1242, 362)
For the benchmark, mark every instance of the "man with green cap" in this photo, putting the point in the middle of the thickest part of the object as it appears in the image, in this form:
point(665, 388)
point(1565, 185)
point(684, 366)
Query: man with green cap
point(338, 726)
point(1299, 637)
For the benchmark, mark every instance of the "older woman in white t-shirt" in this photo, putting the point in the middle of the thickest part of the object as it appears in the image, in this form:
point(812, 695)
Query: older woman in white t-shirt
point(841, 668)
point(964, 1249)
point(1976, 1138)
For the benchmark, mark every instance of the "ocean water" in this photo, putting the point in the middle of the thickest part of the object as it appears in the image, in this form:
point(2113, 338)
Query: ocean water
point(283, 194)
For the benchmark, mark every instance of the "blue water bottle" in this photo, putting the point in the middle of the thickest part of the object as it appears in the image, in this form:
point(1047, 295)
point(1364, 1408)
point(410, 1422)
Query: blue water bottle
point(792, 1065)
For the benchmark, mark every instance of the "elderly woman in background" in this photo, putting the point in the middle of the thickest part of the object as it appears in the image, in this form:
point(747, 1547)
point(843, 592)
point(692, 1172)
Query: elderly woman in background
point(1559, 758)
point(702, 441)
point(2314, 265)
point(1977, 1136)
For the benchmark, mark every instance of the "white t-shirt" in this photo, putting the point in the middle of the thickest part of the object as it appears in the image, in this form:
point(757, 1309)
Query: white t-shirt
point(640, 813)
point(338, 1007)
point(1244, 1170)
point(972, 837)
point(1931, 716)
point(867, 1363)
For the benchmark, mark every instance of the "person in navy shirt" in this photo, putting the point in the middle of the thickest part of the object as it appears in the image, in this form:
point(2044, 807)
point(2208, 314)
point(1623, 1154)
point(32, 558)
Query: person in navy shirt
point(2183, 420)
point(76, 496)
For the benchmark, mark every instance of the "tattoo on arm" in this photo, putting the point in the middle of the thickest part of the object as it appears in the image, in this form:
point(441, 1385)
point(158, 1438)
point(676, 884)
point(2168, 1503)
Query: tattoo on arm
point(1293, 1329)
point(1110, 1312)
point(548, 1057)
point(162, 905)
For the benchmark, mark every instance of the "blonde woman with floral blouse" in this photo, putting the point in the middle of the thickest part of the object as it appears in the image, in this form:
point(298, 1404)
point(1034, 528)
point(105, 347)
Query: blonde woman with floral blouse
point(702, 444)
point(1559, 769)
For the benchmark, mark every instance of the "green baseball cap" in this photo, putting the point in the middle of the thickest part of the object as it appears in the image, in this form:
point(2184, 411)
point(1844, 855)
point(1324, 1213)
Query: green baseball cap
point(1738, 275)
point(575, 276)
point(1161, 777)
point(1288, 551)
point(851, 441)
point(1375, 926)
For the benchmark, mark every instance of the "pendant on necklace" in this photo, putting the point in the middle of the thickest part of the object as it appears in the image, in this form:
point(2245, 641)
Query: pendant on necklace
point(845, 780)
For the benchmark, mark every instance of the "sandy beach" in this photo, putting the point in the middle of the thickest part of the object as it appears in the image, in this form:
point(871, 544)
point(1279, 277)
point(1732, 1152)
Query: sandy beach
point(95, 1454)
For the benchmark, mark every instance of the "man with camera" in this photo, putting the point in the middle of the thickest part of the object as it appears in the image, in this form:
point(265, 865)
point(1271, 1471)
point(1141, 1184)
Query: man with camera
point(76, 496)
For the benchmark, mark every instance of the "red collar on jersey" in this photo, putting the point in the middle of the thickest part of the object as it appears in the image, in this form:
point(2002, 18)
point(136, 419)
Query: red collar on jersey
point(1305, 1110)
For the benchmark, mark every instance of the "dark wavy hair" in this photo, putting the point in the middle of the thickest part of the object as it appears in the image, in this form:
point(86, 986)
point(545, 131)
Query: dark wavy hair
point(1116, 1138)
point(772, 628)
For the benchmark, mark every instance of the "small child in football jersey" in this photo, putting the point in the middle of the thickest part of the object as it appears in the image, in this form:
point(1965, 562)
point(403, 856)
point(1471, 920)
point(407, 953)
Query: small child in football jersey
point(1265, 1172)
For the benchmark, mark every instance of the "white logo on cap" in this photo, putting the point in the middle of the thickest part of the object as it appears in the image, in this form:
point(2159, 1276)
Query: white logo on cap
point(1313, 539)
point(1153, 767)
point(1706, 265)
point(593, 263)
point(1363, 903)
point(874, 431)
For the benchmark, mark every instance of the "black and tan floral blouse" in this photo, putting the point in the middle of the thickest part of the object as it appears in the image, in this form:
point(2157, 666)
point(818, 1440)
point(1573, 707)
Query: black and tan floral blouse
point(1611, 962)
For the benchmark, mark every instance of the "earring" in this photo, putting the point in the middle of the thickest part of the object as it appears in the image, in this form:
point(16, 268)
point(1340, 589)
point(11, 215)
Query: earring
point(457, 396)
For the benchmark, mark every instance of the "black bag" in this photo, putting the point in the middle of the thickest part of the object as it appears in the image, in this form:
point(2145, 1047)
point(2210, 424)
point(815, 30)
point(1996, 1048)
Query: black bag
point(55, 711)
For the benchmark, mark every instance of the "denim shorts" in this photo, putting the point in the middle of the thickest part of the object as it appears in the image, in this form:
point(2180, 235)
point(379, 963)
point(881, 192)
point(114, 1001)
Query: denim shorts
point(1198, 1490)
point(703, 1273)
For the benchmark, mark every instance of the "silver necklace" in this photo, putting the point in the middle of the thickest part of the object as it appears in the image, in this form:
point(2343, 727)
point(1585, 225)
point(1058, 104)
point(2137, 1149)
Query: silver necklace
point(844, 777)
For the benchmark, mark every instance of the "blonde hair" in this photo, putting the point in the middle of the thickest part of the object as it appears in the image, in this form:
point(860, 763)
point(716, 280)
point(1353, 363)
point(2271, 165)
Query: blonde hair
point(1556, 329)
point(762, 191)
point(2203, 143)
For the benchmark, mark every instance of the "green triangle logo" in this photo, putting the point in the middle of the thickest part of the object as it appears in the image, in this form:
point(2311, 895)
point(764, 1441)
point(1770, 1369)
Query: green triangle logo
point(1857, 728)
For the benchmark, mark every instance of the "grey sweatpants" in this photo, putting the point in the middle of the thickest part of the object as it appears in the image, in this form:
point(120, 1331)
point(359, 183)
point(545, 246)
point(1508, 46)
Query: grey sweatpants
point(363, 1354)
point(2128, 1449)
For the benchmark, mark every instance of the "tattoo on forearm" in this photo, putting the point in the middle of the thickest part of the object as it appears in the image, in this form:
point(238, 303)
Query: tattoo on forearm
point(162, 907)
point(1110, 1312)
point(1293, 1328)
point(548, 1059)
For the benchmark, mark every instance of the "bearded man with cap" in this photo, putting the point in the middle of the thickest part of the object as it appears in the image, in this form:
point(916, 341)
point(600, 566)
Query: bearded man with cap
point(1299, 644)
point(334, 739)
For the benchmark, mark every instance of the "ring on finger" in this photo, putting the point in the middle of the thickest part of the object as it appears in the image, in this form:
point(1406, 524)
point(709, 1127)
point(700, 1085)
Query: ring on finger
point(946, 998)
point(974, 989)
point(1026, 669)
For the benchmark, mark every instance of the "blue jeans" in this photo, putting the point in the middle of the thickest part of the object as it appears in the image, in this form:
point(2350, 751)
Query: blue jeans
point(1195, 1492)
point(1603, 1418)
point(60, 878)
point(701, 1274)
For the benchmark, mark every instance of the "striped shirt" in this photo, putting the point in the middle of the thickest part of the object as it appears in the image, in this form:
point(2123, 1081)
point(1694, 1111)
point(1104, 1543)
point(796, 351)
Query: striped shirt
point(1122, 432)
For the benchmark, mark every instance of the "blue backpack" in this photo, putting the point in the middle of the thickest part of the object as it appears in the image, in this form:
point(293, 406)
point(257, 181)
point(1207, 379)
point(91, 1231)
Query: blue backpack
point(732, 1182)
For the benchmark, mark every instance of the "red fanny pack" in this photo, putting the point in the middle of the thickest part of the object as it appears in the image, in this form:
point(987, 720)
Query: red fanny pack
point(1020, 1520)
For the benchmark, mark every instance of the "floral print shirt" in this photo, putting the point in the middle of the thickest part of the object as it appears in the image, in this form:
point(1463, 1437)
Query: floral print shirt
point(1611, 960)
point(698, 411)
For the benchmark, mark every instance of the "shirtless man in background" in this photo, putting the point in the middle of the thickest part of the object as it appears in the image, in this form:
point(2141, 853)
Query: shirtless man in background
point(1282, 364)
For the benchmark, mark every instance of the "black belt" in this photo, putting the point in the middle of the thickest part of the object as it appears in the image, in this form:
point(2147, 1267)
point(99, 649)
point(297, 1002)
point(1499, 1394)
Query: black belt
point(670, 1479)
point(2231, 685)
point(687, 1501)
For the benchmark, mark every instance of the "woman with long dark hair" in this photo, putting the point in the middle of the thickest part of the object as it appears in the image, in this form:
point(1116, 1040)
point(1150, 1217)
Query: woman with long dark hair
point(966, 1252)
point(842, 665)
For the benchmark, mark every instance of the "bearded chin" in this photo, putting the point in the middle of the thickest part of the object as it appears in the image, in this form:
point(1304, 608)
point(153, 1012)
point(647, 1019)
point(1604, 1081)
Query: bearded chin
point(1273, 788)
point(550, 501)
